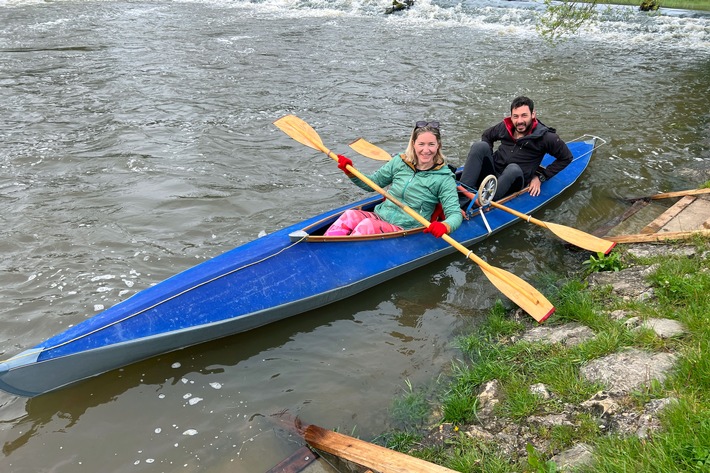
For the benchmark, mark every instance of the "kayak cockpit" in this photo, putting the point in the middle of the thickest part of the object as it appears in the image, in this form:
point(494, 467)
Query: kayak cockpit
point(315, 233)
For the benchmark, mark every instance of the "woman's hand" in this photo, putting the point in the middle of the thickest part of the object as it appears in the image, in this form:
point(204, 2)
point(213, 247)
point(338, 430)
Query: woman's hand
point(343, 163)
point(437, 229)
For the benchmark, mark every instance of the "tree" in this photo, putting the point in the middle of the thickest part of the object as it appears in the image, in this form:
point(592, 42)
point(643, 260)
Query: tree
point(564, 18)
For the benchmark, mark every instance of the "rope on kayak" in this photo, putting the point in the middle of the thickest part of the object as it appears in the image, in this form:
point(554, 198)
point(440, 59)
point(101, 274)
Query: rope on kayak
point(185, 291)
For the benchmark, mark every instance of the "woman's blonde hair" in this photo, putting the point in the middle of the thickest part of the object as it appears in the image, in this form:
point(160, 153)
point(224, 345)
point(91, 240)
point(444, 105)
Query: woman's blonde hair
point(411, 157)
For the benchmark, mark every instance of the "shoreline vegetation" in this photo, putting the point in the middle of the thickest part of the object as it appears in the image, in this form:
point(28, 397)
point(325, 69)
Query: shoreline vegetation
point(565, 17)
point(453, 423)
point(700, 5)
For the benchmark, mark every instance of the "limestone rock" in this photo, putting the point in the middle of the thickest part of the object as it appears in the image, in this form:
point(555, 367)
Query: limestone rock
point(629, 370)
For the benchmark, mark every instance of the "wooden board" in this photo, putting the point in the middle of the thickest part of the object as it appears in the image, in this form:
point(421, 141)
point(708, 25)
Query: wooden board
point(296, 462)
point(668, 215)
point(653, 237)
point(369, 455)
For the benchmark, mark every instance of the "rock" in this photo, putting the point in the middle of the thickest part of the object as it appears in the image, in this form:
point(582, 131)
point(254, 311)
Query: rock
point(569, 334)
point(551, 420)
point(619, 314)
point(629, 370)
point(641, 424)
point(577, 456)
point(540, 390)
point(649, 250)
point(602, 404)
point(633, 323)
point(664, 328)
point(479, 433)
point(488, 398)
point(629, 283)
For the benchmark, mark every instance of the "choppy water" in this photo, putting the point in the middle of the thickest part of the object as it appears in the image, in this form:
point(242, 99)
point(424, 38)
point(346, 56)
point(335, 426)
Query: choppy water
point(136, 141)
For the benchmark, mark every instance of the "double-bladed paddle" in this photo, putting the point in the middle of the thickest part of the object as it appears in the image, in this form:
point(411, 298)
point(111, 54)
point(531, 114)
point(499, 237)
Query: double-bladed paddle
point(523, 294)
point(571, 235)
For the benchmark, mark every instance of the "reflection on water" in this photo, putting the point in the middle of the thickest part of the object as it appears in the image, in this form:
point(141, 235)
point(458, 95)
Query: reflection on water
point(137, 141)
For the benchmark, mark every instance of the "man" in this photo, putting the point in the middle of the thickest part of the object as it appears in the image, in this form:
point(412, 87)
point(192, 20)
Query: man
point(524, 141)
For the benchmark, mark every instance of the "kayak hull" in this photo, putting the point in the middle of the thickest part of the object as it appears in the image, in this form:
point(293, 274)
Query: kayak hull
point(286, 273)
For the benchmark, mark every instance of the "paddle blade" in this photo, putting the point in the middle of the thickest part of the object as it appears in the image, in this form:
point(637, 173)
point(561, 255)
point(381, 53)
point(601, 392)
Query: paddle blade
point(523, 294)
point(301, 131)
point(369, 150)
point(581, 239)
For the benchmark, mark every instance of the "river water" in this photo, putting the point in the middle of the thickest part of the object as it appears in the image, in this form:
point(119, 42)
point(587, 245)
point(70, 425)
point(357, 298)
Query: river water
point(136, 141)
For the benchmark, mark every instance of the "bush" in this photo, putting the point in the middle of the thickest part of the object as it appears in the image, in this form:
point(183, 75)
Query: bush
point(650, 5)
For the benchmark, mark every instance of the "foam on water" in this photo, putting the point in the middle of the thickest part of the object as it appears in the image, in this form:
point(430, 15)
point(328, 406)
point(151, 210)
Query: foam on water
point(623, 25)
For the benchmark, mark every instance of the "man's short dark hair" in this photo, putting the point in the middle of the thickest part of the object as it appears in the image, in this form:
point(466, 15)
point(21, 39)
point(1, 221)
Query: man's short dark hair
point(521, 102)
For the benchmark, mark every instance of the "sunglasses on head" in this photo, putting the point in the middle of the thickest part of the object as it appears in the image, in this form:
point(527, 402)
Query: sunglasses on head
point(422, 124)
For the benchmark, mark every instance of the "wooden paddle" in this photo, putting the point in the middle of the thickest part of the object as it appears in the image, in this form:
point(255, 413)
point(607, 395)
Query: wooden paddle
point(571, 235)
point(523, 294)
point(667, 195)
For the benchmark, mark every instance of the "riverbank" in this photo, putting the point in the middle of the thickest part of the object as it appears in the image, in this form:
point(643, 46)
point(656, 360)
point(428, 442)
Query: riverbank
point(700, 5)
point(616, 380)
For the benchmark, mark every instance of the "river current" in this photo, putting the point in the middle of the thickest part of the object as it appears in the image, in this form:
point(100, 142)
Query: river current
point(136, 140)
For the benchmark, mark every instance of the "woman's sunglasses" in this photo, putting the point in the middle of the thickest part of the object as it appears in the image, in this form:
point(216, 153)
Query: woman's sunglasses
point(422, 124)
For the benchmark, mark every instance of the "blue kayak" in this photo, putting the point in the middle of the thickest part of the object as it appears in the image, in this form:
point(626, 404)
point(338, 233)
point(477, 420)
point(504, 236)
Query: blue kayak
point(285, 273)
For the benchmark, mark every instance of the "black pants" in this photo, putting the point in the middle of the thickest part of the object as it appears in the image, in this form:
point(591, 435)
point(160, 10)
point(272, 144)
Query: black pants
point(479, 164)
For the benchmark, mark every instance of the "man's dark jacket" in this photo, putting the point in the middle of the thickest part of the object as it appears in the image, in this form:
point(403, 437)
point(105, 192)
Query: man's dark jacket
point(528, 151)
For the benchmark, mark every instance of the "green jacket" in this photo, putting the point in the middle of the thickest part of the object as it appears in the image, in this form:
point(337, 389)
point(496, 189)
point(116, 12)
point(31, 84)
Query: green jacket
point(419, 190)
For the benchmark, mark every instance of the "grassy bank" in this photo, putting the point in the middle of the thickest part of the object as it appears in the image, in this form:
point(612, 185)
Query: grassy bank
point(681, 286)
point(701, 5)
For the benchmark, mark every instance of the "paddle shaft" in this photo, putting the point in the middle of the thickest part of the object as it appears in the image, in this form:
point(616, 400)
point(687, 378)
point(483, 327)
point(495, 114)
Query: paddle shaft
point(409, 211)
point(572, 235)
point(517, 290)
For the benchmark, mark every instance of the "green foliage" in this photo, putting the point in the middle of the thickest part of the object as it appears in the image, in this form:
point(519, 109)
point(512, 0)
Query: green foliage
point(696, 457)
point(494, 351)
point(602, 262)
point(473, 456)
point(649, 5)
point(459, 406)
point(400, 441)
point(411, 410)
point(538, 463)
point(677, 281)
point(564, 18)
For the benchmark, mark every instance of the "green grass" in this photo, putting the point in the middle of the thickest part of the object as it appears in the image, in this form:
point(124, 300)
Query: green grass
point(702, 5)
point(682, 285)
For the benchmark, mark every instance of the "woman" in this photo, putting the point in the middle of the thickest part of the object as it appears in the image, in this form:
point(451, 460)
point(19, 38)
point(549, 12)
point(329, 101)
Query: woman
point(419, 178)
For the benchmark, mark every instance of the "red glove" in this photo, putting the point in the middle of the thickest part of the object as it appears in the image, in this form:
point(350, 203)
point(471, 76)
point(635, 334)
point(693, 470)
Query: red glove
point(343, 162)
point(437, 229)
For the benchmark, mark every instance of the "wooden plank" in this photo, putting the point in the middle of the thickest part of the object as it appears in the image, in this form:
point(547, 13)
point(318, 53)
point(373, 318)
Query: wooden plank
point(638, 205)
point(654, 237)
point(668, 215)
point(296, 462)
point(667, 195)
point(369, 455)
